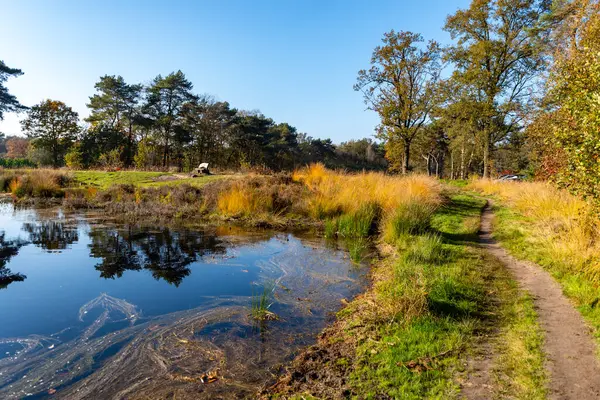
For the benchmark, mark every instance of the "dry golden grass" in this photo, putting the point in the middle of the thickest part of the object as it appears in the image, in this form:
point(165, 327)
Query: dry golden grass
point(564, 224)
point(334, 193)
point(257, 195)
point(242, 200)
point(34, 182)
point(318, 193)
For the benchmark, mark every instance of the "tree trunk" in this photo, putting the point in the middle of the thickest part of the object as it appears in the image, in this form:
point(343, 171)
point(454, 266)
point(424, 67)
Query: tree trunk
point(462, 160)
point(55, 156)
point(486, 154)
point(405, 164)
point(129, 154)
point(468, 168)
point(427, 159)
point(166, 150)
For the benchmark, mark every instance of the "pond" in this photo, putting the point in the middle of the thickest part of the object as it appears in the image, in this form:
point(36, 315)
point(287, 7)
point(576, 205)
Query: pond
point(93, 309)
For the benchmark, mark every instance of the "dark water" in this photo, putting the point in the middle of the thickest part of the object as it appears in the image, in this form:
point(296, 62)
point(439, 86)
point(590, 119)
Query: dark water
point(90, 309)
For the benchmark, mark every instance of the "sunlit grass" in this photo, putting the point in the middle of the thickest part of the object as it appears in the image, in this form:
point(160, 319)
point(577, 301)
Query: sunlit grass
point(242, 200)
point(430, 297)
point(105, 179)
point(337, 193)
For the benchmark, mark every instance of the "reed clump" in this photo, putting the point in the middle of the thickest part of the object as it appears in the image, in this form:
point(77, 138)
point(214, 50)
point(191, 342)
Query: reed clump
point(359, 201)
point(41, 183)
point(257, 194)
point(262, 302)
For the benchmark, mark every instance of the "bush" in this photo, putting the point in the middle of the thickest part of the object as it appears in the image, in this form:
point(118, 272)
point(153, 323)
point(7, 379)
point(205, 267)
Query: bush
point(17, 163)
point(74, 158)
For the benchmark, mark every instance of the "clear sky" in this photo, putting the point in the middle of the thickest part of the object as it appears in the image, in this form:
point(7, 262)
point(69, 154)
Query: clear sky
point(294, 60)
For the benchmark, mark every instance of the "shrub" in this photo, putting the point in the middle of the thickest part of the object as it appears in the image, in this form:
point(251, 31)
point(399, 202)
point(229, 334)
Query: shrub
point(74, 157)
point(6, 177)
point(17, 163)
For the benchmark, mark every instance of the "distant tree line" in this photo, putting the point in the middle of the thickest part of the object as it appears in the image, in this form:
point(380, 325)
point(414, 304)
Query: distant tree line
point(166, 125)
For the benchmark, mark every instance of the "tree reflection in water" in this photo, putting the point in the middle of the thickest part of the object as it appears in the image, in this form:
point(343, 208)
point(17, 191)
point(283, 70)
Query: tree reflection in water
point(166, 254)
point(51, 235)
point(9, 249)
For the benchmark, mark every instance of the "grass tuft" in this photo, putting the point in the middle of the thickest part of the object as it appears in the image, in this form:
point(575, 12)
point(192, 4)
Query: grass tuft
point(261, 302)
point(408, 219)
point(42, 183)
point(360, 223)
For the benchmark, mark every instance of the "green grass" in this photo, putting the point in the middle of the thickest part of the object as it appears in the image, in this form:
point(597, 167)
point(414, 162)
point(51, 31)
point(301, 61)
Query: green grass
point(464, 291)
point(261, 302)
point(456, 182)
point(331, 228)
point(458, 219)
point(357, 247)
point(408, 219)
point(358, 224)
point(519, 371)
point(196, 182)
point(104, 179)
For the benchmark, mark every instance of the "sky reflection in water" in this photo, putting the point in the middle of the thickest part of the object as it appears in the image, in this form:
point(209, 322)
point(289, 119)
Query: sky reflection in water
point(86, 278)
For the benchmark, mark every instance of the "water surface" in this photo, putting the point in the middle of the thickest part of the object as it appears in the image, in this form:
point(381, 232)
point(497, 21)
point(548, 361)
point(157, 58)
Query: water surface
point(105, 310)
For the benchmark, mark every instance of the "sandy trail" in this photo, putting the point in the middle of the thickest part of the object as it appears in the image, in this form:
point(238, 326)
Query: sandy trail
point(570, 351)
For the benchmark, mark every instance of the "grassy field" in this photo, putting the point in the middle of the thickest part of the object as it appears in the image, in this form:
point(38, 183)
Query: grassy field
point(35, 182)
point(103, 179)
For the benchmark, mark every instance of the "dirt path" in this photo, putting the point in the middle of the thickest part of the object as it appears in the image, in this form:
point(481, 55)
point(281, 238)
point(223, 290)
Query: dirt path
point(478, 385)
point(571, 361)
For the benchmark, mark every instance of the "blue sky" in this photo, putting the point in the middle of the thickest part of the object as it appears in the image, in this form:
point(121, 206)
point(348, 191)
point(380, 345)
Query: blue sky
point(295, 61)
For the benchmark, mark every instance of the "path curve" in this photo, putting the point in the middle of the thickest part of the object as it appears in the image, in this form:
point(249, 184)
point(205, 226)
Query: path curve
point(574, 370)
